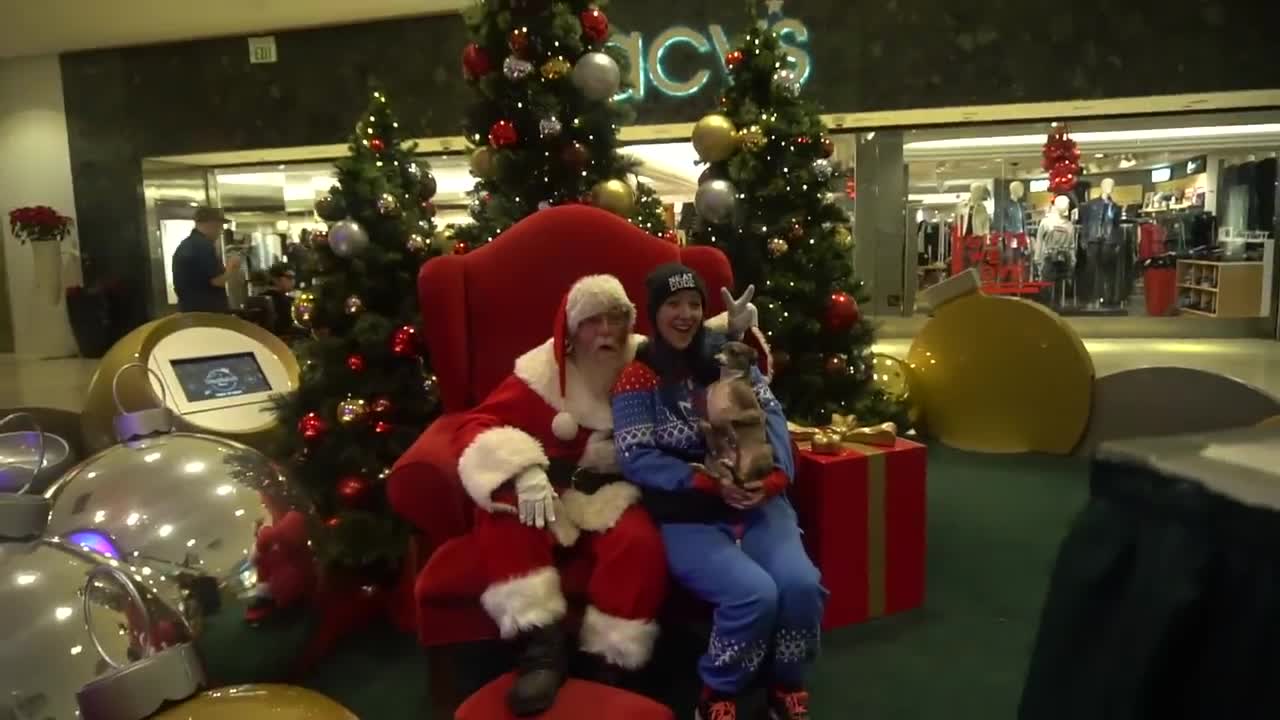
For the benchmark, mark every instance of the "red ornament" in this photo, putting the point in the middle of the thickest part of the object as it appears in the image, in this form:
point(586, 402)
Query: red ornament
point(312, 426)
point(382, 427)
point(503, 134)
point(377, 145)
point(734, 59)
point(428, 208)
point(804, 140)
point(575, 156)
point(353, 490)
point(828, 146)
point(381, 406)
point(797, 232)
point(355, 362)
point(672, 237)
point(475, 62)
point(851, 188)
point(460, 247)
point(595, 25)
point(404, 341)
point(842, 313)
point(333, 523)
point(518, 41)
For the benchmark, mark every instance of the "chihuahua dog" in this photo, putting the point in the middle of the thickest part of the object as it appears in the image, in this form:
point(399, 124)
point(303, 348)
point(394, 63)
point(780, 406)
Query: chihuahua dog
point(737, 444)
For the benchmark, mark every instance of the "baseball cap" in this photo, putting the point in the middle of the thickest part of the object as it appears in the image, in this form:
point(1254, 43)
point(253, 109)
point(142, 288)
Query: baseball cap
point(209, 214)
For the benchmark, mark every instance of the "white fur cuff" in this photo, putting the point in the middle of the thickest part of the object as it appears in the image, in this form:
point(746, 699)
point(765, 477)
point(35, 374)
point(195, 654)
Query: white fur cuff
point(494, 457)
point(627, 644)
point(600, 510)
point(530, 601)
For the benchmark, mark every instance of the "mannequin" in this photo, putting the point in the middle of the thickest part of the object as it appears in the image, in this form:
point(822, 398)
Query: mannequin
point(972, 214)
point(1100, 219)
point(1013, 217)
point(1055, 248)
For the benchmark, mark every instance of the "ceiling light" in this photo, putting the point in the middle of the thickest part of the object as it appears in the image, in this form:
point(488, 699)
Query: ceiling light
point(1100, 155)
point(1099, 137)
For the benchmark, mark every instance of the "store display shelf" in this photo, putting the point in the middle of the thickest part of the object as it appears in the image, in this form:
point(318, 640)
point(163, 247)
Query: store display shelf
point(1206, 288)
point(1219, 289)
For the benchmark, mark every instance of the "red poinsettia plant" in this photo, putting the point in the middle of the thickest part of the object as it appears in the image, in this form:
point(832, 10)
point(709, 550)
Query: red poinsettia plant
point(39, 224)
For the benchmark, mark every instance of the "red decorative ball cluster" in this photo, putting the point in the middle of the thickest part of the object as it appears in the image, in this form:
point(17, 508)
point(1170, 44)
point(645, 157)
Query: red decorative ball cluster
point(1061, 161)
point(39, 223)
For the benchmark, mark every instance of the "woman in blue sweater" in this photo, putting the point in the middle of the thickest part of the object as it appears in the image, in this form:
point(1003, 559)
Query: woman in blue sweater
point(737, 548)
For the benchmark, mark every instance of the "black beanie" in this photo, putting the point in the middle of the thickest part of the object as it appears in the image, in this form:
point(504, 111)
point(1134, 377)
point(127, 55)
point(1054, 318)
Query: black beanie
point(667, 280)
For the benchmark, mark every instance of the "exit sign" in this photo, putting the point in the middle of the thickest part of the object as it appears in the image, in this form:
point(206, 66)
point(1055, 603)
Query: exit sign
point(262, 50)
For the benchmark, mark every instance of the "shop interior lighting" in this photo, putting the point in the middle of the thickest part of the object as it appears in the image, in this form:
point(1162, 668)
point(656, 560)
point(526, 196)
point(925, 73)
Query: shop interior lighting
point(1104, 136)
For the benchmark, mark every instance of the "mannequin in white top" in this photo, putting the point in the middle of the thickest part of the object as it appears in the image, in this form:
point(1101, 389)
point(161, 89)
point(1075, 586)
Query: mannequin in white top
point(972, 214)
point(1055, 248)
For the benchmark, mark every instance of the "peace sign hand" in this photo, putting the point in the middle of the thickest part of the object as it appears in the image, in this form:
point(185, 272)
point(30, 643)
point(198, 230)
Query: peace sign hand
point(742, 313)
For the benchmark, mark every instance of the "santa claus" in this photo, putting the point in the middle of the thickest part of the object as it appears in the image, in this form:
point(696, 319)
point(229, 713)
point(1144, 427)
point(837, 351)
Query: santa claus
point(537, 457)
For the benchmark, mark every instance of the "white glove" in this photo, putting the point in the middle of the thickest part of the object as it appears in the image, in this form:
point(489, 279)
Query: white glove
point(536, 498)
point(742, 313)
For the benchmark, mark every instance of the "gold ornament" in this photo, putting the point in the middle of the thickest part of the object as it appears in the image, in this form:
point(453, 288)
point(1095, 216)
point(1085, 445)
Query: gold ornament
point(555, 68)
point(752, 138)
point(843, 237)
point(352, 410)
point(280, 702)
point(889, 374)
point(777, 247)
point(836, 364)
point(615, 196)
point(354, 305)
point(304, 306)
point(714, 138)
point(484, 163)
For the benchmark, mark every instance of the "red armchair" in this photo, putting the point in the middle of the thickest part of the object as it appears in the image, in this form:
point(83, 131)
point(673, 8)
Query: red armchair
point(485, 309)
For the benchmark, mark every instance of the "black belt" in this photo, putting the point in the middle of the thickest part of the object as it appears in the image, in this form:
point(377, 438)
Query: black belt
point(563, 472)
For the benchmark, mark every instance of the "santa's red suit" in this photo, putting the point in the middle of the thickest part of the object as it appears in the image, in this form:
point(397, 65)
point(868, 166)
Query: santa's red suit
point(547, 414)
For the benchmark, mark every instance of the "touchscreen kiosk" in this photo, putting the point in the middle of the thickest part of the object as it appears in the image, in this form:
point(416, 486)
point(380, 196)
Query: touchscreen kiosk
point(218, 374)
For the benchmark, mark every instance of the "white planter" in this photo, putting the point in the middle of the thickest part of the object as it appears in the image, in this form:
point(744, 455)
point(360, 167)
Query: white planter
point(47, 260)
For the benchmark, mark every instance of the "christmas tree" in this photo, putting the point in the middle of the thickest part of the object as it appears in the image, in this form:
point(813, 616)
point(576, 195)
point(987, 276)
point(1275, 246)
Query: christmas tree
point(366, 392)
point(545, 124)
point(764, 200)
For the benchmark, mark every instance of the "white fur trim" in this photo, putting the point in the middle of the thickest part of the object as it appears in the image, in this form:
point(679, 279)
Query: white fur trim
point(538, 369)
point(627, 644)
point(600, 455)
point(720, 324)
point(600, 510)
point(494, 457)
point(564, 426)
point(526, 602)
point(593, 295)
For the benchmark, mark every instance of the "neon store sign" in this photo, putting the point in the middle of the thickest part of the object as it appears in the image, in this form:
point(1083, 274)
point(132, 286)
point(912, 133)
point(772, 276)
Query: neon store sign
point(648, 71)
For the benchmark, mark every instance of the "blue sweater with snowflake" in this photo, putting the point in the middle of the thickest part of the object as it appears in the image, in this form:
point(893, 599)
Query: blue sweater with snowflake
point(656, 435)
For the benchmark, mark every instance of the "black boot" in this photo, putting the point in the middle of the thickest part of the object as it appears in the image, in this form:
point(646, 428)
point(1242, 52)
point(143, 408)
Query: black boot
point(540, 671)
point(601, 671)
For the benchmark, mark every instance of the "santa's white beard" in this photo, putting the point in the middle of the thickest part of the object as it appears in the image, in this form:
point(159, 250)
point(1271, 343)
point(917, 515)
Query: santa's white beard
point(600, 370)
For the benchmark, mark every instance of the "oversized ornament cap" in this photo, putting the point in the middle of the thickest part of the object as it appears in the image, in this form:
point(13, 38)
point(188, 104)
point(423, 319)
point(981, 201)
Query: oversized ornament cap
point(22, 516)
point(137, 690)
point(141, 423)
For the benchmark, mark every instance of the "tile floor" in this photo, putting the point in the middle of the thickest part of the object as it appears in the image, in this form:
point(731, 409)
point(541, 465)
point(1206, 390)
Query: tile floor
point(62, 383)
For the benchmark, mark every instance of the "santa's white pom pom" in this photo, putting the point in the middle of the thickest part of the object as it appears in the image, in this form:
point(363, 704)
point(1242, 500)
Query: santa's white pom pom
point(564, 426)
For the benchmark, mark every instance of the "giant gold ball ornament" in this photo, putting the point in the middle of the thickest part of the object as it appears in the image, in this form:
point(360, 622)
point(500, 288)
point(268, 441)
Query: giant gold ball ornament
point(181, 506)
point(48, 652)
point(615, 196)
point(484, 163)
point(348, 238)
point(303, 309)
point(891, 375)
point(352, 411)
point(752, 138)
point(967, 393)
point(714, 138)
point(265, 702)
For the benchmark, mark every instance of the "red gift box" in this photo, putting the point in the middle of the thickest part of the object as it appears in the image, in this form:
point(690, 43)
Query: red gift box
point(863, 512)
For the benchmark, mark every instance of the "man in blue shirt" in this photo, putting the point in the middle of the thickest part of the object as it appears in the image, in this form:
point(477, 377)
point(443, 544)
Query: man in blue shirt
point(199, 278)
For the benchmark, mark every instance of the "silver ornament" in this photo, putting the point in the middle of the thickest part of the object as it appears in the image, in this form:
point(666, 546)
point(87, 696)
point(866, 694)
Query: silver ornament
point(716, 201)
point(19, 453)
point(597, 76)
point(413, 169)
point(348, 238)
point(786, 82)
point(179, 505)
point(822, 168)
point(416, 243)
point(517, 69)
point(475, 209)
point(550, 127)
point(49, 652)
point(426, 228)
point(388, 205)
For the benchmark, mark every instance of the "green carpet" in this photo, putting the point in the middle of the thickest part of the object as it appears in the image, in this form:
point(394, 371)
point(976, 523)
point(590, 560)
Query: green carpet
point(995, 523)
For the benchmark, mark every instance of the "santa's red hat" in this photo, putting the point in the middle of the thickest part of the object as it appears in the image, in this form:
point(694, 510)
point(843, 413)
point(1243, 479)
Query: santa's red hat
point(589, 296)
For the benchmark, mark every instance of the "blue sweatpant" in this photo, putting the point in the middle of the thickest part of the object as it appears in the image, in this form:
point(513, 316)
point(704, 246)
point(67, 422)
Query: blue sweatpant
point(767, 595)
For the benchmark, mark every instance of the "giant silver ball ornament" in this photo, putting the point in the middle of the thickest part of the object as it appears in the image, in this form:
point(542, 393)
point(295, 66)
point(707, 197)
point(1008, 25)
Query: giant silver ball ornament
point(716, 201)
point(348, 238)
point(597, 76)
point(48, 653)
point(184, 505)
